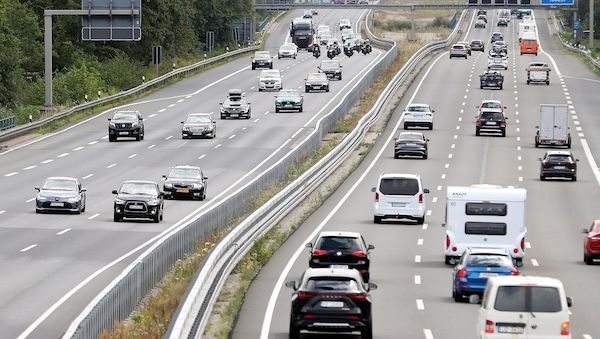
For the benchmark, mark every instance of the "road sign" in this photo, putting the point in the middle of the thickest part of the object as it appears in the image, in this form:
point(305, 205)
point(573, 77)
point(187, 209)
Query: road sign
point(112, 27)
point(557, 2)
point(156, 55)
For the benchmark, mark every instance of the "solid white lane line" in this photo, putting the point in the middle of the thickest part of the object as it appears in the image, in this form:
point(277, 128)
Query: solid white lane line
point(535, 262)
point(297, 132)
point(417, 258)
point(133, 156)
point(62, 155)
point(417, 280)
point(111, 166)
point(29, 247)
point(152, 146)
point(93, 142)
point(162, 110)
point(232, 136)
point(88, 176)
point(428, 333)
point(180, 100)
point(169, 137)
point(590, 158)
point(63, 231)
point(93, 216)
point(219, 145)
point(420, 305)
point(78, 148)
point(47, 161)
point(30, 200)
point(202, 156)
point(420, 242)
point(29, 167)
point(171, 105)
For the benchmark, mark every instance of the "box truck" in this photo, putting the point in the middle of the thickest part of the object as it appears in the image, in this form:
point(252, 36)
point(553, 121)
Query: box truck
point(553, 129)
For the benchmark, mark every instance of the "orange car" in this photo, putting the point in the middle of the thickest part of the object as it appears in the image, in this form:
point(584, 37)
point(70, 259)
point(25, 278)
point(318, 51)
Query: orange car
point(529, 44)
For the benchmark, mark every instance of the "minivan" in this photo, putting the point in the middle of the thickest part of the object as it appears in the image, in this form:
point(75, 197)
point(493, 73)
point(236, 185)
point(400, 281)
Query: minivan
point(399, 196)
point(520, 307)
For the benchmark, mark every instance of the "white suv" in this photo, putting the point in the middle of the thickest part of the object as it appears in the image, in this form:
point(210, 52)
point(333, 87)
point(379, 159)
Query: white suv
point(399, 196)
point(418, 115)
point(270, 80)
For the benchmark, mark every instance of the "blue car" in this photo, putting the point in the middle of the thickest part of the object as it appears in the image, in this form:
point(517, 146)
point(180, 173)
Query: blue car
point(474, 268)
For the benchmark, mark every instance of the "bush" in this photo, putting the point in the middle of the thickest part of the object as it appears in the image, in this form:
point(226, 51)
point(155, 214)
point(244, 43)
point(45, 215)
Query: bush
point(72, 86)
point(440, 22)
point(121, 72)
point(398, 25)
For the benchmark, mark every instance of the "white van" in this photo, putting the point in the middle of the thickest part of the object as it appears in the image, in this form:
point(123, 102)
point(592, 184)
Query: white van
point(488, 216)
point(399, 196)
point(523, 307)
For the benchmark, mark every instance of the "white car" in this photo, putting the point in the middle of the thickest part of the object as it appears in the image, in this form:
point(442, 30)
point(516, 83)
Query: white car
point(418, 115)
point(399, 196)
point(287, 51)
point(344, 23)
point(324, 38)
point(270, 79)
point(497, 62)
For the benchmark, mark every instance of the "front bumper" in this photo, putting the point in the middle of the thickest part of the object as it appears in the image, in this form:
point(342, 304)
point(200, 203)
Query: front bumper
point(269, 86)
point(148, 213)
point(317, 87)
point(288, 106)
point(57, 206)
point(197, 133)
point(332, 75)
point(179, 192)
point(124, 132)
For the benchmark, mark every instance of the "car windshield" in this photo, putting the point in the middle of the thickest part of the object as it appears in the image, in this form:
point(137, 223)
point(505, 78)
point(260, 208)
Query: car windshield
point(399, 186)
point(185, 173)
point(458, 47)
point(527, 299)
point(331, 284)
point(125, 116)
point(138, 188)
point(288, 94)
point(286, 48)
point(409, 136)
point(488, 260)
point(560, 157)
point(338, 243)
point(330, 64)
point(270, 75)
point(491, 104)
point(317, 76)
point(198, 119)
point(492, 115)
point(418, 109)
point(261, 56)
point(60, 185)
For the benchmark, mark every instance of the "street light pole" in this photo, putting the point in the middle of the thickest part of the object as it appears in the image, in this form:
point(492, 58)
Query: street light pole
point(591, 24)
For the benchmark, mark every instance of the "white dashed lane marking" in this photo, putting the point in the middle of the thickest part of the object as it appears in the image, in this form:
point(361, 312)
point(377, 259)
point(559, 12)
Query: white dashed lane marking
point(162, 110)
point(169, 137)
point(420, 305)
point(29, 247)
point(29, 167)
point(62, 155)
point(434, 200)
point(171, 105)
point(219, 145)
point(63, 231)
point(428, 333)
point(111, 166)
point(47, 161)
point(88, 176)
point(78, 148)
point(93, 142)
point(535, 262)
point(93, 216)
point(202, 156)
point(232, 136)
point(151, 146)
point(133, 156)
point(527, 244)
point(420, 242)
point(417, 258)
point(152, 115)
point(30, 200)
point(417, 280)
point(2, 212)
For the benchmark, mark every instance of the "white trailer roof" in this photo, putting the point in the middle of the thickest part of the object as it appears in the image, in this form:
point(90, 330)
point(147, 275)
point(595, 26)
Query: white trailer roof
point(486, 193)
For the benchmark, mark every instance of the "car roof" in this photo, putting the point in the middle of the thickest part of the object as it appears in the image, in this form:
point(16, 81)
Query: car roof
point(127, 111)
point(235, 91)
point(332, 272)
point(138, 182)
point(490, 110)
point(62, 178)
point(399, 175)
point(197, 114)
point(186, 166)
point(418, 105)
point(491, 100)
point(411, 133)
point(525, 280)
point(339, 234)
point(479, 250)
point(558, 153)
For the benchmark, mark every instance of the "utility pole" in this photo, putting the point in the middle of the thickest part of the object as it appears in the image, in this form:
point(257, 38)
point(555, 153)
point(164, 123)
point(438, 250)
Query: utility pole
point(591, 24)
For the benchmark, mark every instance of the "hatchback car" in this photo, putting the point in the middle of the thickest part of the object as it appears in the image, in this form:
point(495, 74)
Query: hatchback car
point(138, 199)
point(591, 243)
point(459, 51)
point(477, 45)
point(500, 46)
point(289, 100)
point(126, 124)
point(410, 144)
point(474, 268)
point(185, 181)
point(316, 82)
point(341, 250)
point(490, 120)
point(418, 115)
point(467, 46)
point(502, 22)
point(559, 164)
point(331, 300)
point(199, 125)
point(399, 196)
point(496, 36)
point(331, 68)
point(60, 194)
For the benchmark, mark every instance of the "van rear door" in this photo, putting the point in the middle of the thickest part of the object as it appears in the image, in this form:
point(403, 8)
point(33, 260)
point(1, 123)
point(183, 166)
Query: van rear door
point(547, 122)
point(399, 193)
point(560, 123)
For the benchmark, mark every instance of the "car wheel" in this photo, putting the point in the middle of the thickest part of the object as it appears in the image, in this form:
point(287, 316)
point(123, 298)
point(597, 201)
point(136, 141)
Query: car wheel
point(405, 126)
point(548, 82)
point(396, 156)
point(574, 178)
point(457, 297)
point(477, 133)
point(430, 127)
point(301, 108)
point(528, 81)
point(203, 196)
point(588, 259)
point(38, 211)
point(447, 260)
point(367, 332)
point(117, 218)
point(425, 156)
point(276, 110)
point(421, 220)
point(83, 208)
point(306, 89)
point(327, 89)
point(138, 137)
point(253, 67)
point(214, 134)
point(111, 138)
point(503, 133)
point(162, 213)
point(156, 218)
point(542, 177)
point(294, 331)
point(377, 219)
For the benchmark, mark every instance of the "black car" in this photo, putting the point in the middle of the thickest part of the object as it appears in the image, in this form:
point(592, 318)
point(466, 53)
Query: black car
point(410, 144)
point(502, 22)
point(491, 79)
point(490, 120)
point(316, 82)
point(60, 194)
point(262, 59)
point(341, 250)
point(199, 125)
point(289, 100)
point(138, 199)
point(185, 181)
point(331, 68)
point(560, 164)
point(477, 45)
point(331, 300)
point(496, 36)
point(126, 124)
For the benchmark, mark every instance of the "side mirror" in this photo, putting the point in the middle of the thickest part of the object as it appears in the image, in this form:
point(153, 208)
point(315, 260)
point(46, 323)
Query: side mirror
point(426, 139)
point(291, 284)
point(372, 189)
point(308, 245)
point(182, 122)
point(370, 247)
point(474, 299)
point(109, 119)
point(426, 190)
point(115, 192)
point(221, 103)
point(569, 301)
point(205, 178)
point(84, 190)
point(444, 224)
point(504, 107)
point(141, 119)
point(585, 231)
point(432, 111)
point(395, 139)
point(372, 287)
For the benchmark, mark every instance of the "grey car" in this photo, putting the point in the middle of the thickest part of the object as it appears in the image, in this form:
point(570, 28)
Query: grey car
point(289, 100)
point(316, 82)
point(186, 182)
point(235, 106)
point(199, 125)
point(331, 68)
point(60, 194)
point(410, 144)
point(459, 51)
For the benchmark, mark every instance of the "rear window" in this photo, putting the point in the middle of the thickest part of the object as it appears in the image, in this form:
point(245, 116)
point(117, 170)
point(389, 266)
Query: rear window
point(399, 186)
point(488, 260)
point(485, 208)
point(492, 115)
point(528, 299)
point(563, 158)
point(338, 243)
point(331, 284)
point(485, 228)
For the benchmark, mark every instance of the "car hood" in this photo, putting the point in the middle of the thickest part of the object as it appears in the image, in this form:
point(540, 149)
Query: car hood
point(316, 81)
point(197, 124)
point(183, 181)
point(141, 197)
point(57, 194)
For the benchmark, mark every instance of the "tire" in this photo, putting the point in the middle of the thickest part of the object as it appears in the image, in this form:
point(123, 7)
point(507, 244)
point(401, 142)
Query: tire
point(367, 332)
point(156, 218)
point(214, 134)
point(294, 332)
point(457, 297)
point(574, 178)
point(276, 110)
point(117, 218)
point(377, 219)
point(421, 220)
point(83, 209)
point(142, 136)
point(340, 77)
point(447, 260)
point(183, 136)
point(501, 86)
point(588, 260)
point(430, 126)
point(306, 89)
point(480, 86)
point(425, 156)
point(203, 196)
point(37, 211)
point(162, 213)
point(542, 177)
point(503, 133)
point(477, 133)
point(327, 89)
point(253, 67)
point(259, 89)
point(548, 82)
point(528, 82)
point(405, 126)
point(223, 116)
point(301, 109)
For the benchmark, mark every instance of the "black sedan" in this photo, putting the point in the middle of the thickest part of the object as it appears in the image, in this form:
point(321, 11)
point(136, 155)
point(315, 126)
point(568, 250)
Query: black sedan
point(316, 82)
point(60, 194)
point(138, 199)
point(331, 300)
point(410, 144)
point(341, 250)
point(331, 68)
point(199, 125)
point(559, 164)
point(185, 182)
point(289, 100)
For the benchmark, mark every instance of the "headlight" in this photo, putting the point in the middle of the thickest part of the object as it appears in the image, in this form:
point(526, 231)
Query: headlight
point(119, 201)
point(73, 199)
point(112, 124)
point(186, 128)
point(153, 202)
point(197, 186)
point(168, 185)
point(41, 198)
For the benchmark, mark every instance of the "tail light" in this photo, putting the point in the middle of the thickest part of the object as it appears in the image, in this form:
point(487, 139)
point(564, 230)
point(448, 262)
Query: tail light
point(462, 273)
point(523, 244)
point(319, 252)
point(489, 326)
point(514, 271)
point(353, 318)
point(376, 196)
point(359, 254)
point(305, 295)
point(565, 328)
point(447, 242)
point(478, 121)
point(309, 316)
point(358, 296)
point(503, 122)
point(515, 250)
point(421, 198)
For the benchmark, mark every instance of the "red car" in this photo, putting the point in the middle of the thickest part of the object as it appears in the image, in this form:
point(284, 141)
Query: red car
point(591, 243)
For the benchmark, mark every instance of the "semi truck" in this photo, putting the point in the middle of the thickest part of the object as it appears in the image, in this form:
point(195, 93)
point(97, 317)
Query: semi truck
point(302, 32)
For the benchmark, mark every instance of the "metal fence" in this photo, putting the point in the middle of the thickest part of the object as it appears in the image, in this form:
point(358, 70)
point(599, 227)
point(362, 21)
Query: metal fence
point(586, 52)
point(7, 123)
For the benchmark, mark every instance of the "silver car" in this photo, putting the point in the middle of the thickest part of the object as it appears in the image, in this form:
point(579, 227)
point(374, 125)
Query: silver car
point(287, 51)
point(459, 50)
point(270, 80)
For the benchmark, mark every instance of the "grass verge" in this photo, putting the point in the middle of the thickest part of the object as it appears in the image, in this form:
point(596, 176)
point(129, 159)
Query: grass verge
point(579, 56)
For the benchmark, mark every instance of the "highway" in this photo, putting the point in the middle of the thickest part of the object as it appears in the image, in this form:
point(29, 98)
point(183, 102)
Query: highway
point(414, 295)
point(55, 264)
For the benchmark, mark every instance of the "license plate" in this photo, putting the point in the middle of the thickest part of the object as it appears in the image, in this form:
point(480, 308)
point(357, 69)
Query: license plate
point(183, 190)
point(487, 275)
point(123, 133)
point(398, 204)
point(339, 266)
point(511, 329)
point(136, 207)
point(56, 204)
point(332, 304)
point(490, 123)
point(559, 167)
point(234, 115)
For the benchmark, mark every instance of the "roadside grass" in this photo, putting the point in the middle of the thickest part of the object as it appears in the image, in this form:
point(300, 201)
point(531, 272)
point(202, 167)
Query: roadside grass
point(579, 56)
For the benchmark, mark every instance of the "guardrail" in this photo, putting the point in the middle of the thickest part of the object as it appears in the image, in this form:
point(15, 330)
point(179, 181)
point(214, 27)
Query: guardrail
point(195, 310)
point(7, 123)
point(587, 53)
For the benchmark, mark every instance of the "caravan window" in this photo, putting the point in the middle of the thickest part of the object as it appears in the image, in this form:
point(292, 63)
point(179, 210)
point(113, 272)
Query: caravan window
point(485, 228)
point(485, 208)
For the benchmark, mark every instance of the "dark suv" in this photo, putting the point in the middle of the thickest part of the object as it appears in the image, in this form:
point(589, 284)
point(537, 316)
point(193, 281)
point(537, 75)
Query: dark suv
point(185, 181)
point(138, 199)
point(126, 124)
point(341, 250)
point(558, 164)
point(490, 120)
point(331, 300)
